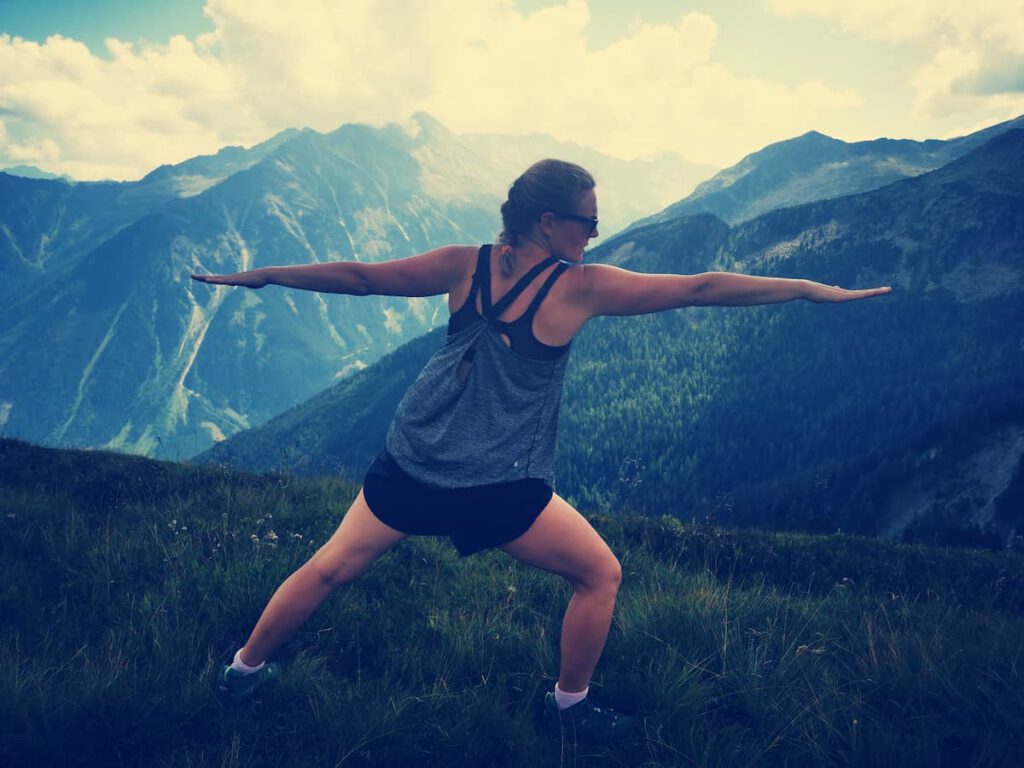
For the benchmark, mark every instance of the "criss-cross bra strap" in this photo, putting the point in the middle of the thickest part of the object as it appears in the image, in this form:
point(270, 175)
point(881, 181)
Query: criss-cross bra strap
point(483, 257)
point(543, 292)
point(505, 301)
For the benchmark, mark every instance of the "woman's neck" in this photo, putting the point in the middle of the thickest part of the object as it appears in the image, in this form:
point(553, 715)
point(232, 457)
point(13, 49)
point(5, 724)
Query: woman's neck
point(531, 250)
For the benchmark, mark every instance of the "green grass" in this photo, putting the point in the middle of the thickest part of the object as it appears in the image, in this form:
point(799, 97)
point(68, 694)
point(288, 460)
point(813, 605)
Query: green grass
point(125, 582)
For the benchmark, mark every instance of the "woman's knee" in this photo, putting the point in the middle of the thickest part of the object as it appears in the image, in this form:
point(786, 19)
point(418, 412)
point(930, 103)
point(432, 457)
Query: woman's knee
point(335, 568)
point(611, 575)
point(359, 540)
point(603, 578)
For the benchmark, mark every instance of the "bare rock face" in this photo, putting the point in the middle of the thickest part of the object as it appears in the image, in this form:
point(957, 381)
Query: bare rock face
point(970, 484)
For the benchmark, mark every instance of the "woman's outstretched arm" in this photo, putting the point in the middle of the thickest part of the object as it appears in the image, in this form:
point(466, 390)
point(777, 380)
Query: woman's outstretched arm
point(426, 274)
point(726, 289)
point(608, 290)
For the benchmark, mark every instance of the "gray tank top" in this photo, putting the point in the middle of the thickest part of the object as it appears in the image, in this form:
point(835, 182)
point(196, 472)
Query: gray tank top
point(483, 412)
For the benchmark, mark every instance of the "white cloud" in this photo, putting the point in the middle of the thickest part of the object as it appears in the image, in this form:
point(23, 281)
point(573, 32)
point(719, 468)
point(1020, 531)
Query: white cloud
point(118, 116)
point(478, 65)
point(937, 80)
point(974, 51)
point(44, 151)
point(999, 21)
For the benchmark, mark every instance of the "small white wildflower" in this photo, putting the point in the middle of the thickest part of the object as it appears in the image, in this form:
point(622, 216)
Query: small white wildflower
point(271, 536)
point(255, 539)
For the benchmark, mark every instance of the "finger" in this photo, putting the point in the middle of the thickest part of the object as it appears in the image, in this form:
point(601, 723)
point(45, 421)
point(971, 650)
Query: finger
point(869, 292)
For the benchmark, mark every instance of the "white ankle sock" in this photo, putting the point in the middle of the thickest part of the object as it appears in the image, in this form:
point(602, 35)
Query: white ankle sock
point(565, 700)
point(240, 666)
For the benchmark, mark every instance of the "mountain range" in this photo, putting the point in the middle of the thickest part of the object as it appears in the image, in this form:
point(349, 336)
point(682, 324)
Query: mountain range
point(105, 342)
point(817, 416)
point(32, 172)
point(138, 358)
point(816, 167)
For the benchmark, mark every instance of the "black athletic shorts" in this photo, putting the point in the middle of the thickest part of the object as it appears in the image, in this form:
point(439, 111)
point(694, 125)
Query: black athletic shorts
point(476, 518)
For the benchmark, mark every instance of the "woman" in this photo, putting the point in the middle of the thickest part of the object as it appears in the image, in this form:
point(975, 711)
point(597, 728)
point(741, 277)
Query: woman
point(470, 452)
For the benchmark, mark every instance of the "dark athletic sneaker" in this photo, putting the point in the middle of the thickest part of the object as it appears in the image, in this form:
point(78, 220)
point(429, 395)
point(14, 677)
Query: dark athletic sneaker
point(585, 721)
point(236, 686)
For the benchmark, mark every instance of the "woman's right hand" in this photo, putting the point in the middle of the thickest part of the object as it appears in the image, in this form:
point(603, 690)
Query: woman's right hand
point(254, 278)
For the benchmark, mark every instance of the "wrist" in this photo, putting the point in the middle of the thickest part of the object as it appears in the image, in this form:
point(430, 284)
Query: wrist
point(808, 289)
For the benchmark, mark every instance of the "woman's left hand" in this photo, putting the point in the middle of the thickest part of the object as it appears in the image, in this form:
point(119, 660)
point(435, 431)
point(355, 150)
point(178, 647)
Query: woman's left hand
point(818, 292)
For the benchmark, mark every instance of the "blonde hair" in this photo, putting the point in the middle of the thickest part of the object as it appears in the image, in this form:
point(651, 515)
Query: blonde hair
point(547, 185)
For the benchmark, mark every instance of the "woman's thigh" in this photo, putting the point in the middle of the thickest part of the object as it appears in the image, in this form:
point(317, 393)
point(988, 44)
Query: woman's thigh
point(359, 540)
point(563, 542)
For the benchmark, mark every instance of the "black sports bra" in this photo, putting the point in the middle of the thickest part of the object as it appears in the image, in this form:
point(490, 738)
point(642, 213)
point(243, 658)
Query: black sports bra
point(520, 330)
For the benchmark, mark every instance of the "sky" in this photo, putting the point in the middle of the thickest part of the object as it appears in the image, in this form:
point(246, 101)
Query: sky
point(113, 88)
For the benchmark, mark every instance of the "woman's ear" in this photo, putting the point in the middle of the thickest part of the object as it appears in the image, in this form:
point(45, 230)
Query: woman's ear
point(547, 221)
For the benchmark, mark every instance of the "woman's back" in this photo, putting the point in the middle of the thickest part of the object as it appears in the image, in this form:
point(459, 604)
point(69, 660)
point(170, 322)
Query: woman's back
point(555, 321)
point(485, 407)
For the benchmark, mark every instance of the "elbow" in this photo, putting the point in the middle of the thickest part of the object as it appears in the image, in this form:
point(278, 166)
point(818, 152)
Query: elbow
point(703, 292)
point(359, 284)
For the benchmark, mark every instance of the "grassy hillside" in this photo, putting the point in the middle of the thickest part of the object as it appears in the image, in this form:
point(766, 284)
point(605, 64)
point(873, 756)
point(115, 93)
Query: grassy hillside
point(124, 581)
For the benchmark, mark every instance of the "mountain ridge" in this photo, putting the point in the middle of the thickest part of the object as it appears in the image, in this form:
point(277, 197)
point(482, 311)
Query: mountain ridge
point(817, 166)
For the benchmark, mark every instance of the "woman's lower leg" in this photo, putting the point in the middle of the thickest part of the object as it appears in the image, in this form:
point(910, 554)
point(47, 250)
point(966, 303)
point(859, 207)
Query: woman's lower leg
point(584, 632)
point(293, 603)
point(359, 540)
point(563, 542)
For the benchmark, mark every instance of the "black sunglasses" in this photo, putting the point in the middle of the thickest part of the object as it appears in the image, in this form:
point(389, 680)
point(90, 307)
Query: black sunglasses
point(591, 220)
